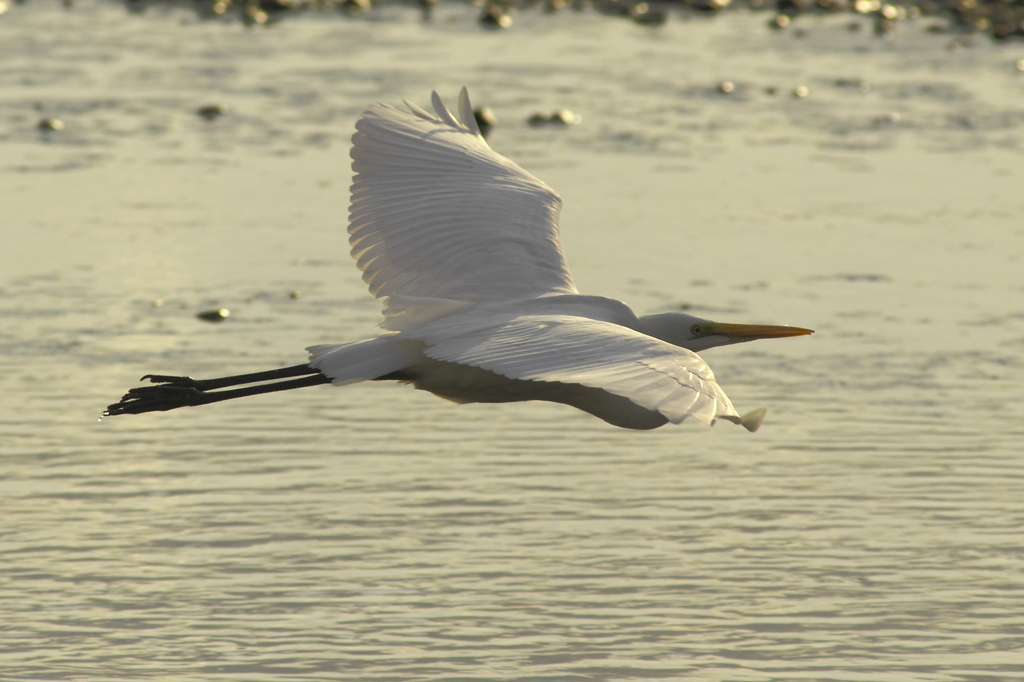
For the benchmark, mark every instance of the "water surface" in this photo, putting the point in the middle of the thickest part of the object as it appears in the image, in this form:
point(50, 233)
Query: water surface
point(869, 531)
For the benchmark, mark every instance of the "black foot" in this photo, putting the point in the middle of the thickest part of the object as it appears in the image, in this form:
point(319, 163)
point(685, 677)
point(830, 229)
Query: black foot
point(173, 392)
point(157, 399)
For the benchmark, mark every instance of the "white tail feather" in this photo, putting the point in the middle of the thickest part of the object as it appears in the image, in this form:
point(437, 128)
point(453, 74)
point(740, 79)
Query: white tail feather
point(350, 363)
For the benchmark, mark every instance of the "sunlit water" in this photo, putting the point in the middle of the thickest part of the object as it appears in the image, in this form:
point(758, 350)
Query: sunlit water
point(872, 530)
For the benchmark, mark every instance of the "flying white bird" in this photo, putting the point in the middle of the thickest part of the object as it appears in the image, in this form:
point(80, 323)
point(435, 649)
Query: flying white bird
point(479, 306)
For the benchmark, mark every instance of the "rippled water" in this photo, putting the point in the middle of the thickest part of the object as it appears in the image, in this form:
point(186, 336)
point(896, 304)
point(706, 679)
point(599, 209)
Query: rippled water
point(870, 531)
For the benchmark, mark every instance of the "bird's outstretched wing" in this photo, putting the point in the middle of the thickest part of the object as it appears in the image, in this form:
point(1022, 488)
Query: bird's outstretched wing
point(437, 214)
point(576, 350)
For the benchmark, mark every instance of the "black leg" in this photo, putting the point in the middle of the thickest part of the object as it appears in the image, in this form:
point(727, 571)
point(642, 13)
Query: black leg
point(223, 382)
point(174, 392)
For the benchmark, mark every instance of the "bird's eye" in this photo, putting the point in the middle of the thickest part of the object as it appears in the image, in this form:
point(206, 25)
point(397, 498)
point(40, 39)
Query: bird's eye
point(696, 330)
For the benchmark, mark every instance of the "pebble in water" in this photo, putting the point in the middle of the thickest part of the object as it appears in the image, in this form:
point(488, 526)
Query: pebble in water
point(254, 14)
point(212, 111)
point(711, 5)
point(485, 120)
point(562, 117)
point(48, 124)
point(495, 16)
point(214, 315)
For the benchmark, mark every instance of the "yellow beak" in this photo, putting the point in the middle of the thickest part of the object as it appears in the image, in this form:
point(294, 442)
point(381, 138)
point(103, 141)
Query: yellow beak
point(749, 332)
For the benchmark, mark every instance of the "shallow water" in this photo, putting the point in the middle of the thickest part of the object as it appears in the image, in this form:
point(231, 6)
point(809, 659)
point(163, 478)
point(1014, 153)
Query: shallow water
point(869, 531)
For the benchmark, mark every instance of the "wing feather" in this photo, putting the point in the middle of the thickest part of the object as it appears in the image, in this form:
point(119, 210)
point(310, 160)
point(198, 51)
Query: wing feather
point(653, 374)
point(466, 112)
point(436, 214)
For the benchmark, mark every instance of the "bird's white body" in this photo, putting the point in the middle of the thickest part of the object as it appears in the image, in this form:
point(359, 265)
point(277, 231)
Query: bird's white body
point(463, 246)
point(479, 305)
point(585, 351)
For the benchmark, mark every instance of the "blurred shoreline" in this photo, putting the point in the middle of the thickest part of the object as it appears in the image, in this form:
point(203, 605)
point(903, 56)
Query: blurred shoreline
point(998, 19)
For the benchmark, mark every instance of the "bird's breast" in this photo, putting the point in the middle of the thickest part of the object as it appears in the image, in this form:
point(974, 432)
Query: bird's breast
point(466, 384)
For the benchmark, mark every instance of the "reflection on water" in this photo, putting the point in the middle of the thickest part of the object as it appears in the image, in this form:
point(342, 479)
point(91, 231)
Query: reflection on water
point(870, 530)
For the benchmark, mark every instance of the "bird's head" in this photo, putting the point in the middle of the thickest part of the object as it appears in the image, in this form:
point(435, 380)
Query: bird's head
point(697, 334)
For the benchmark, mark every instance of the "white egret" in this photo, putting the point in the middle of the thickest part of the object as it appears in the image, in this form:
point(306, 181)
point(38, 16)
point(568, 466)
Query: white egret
point(479, 306)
